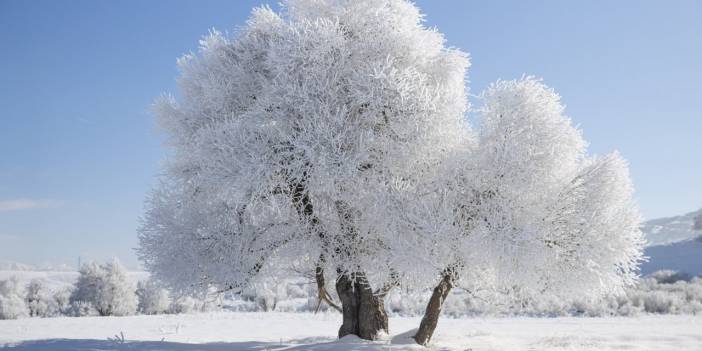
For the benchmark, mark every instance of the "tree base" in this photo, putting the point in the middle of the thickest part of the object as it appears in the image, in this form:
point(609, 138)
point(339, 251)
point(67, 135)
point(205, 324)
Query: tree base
point(363, 312)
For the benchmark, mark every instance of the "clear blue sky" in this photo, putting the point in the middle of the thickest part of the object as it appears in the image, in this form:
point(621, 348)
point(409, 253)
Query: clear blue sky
point(79, 148)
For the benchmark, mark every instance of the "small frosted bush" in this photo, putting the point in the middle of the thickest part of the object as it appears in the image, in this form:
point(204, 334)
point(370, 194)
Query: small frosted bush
point(153, 299)
point(62, 300)
point(39, 300)
point(266, 294)
point(12, 304)
point(669, 277)
point(82, 309)
point(187, 304)
point(107, 288)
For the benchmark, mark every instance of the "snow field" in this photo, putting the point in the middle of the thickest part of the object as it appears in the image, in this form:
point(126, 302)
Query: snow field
point(306, 331)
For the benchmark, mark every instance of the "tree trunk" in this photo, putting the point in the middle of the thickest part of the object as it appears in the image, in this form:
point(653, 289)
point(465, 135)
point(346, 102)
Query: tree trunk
point(371, 315)
point(431, 315)
point(350, 302)
point(363, 312)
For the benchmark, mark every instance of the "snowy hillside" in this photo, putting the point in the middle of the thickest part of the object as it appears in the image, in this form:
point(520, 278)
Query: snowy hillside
point(673, 243)
point(683, 256)
point(56, 280)
point(670, 230)
point(47, 267)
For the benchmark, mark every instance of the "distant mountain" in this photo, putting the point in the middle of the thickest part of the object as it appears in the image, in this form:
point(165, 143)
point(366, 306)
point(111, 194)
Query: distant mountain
point(15, 266)
point(670, 230)
point(46, 267)
point(674, 243)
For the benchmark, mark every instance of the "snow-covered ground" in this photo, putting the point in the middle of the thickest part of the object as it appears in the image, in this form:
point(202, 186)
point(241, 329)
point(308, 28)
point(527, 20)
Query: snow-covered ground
point(305, 331)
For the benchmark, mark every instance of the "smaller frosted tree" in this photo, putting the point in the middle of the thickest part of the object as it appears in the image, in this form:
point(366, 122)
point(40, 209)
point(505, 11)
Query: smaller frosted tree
point(527, 212)
point(107, 288)
point(12, 304)
point(38, 299)
point(44, 302)
point(698, 221)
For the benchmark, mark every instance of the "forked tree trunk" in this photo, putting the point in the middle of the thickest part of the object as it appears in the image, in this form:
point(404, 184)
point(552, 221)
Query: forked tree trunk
point(431, 315)
point(363, 312)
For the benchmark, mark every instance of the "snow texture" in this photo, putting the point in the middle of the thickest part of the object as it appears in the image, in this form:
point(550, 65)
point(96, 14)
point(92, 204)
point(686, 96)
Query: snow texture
point(306, 331)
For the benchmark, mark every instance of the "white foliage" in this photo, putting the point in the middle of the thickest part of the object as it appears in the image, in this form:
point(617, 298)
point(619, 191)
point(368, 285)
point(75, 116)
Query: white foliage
point(189, 304)
point(333, 134)
point(529, 211)
point(317, 108)
point(106, 288)
point(42, 302)
point(12, 304)
point(153, 299)
point(79, 308)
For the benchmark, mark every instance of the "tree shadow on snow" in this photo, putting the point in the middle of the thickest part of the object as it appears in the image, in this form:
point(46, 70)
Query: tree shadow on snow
point(99, 345)
point(311, 344)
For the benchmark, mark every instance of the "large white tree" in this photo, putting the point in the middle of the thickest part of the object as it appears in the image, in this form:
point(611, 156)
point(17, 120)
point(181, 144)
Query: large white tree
point(331, 137)
point(284, 137)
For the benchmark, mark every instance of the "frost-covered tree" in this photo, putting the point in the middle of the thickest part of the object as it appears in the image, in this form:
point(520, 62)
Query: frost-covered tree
point(153, 298)
point(698, 221)
point(106, 288)
point(12, 305)
point(42, 301)
point(285, 141)
point(330, 137)
point(38, 299)
point(527, 211)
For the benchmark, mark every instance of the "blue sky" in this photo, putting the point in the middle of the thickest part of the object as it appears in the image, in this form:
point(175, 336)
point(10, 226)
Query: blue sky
point(79, 148)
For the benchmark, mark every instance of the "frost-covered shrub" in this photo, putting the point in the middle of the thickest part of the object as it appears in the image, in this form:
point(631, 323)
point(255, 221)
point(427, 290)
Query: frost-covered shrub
point(283, 295)
point(80, 308)
point(187, 304)
point(39, 300)
point(660, 302)
point(153, 299)
point(107, 288)
point(12, 305)
point(296, 291)
point(62, 300)
point(664, 292)
point(669, 276)
point(267, 294)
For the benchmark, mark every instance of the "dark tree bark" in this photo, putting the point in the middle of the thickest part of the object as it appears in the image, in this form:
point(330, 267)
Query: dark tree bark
point(431, 315)
point(371, 313)
point(350, 303)
point(363, 311)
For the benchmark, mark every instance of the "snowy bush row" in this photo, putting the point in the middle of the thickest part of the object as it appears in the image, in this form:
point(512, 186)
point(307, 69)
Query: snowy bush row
point(105, 290)
point(663, 292)
point(100, 290)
